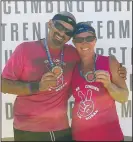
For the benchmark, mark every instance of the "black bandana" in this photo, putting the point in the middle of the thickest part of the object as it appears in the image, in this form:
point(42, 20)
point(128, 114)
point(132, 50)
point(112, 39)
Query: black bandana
point(66, 19)
point(83, 27)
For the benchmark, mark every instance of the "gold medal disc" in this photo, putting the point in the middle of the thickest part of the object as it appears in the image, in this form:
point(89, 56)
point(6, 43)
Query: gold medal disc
point(57, 70)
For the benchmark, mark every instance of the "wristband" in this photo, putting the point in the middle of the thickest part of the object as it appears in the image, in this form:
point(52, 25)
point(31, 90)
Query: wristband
point(33, 86)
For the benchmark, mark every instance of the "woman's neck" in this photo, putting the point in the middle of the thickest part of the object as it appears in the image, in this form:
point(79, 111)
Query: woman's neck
point(89, 60)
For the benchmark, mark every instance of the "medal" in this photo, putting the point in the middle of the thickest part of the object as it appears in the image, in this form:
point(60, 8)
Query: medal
point(90, 76)
point(57, 70)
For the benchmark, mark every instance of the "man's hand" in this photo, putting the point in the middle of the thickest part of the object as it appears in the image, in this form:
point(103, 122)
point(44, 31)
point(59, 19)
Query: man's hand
point(122, 71)
point(48, 80)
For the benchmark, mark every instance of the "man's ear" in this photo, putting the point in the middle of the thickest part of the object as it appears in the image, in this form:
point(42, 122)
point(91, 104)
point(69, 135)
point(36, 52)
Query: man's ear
point(96, 39)
point(50, 23)
point(73, 41)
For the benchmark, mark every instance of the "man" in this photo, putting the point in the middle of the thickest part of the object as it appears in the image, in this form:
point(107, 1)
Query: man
point(39, 73)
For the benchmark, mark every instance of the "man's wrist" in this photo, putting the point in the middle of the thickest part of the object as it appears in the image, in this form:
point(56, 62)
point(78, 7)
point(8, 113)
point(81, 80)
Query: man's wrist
point(33, 87)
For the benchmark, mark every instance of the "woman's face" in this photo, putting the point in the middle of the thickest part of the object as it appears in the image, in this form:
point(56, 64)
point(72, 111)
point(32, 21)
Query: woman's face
point(85, 43)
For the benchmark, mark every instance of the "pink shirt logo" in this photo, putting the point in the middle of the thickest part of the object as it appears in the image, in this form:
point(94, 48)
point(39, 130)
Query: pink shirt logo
point(86, 107)
point(60, 80)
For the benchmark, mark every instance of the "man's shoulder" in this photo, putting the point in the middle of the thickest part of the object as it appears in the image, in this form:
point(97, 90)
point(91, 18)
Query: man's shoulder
point(28, 46)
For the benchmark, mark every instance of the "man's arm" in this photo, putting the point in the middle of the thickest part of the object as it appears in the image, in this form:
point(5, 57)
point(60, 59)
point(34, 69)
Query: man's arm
point(18, 87)
point(21, 88)
point(122, 71)
point(10, 78)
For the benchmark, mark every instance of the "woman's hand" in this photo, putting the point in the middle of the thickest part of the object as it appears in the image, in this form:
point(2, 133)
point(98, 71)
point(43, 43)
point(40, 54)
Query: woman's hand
point(103, 77)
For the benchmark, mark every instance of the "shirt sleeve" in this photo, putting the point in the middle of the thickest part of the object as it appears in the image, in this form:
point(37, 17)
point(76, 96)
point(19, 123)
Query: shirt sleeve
point(14, 66)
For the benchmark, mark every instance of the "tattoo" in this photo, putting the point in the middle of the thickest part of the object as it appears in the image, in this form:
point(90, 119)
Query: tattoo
point(14, 87)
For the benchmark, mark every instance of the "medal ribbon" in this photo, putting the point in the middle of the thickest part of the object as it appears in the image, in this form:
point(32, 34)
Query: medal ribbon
point(49, 56)
point(95, 58)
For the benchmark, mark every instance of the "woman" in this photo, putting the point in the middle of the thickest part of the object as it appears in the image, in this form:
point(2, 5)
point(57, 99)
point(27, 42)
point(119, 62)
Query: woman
point(96, 85)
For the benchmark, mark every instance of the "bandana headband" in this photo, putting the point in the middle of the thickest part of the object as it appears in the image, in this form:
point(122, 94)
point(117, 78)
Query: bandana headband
point(81, 28)
point(66, 19)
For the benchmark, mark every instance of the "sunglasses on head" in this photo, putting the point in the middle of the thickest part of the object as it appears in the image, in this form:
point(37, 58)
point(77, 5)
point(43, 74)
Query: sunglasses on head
point(82, 39)
point(60, 27)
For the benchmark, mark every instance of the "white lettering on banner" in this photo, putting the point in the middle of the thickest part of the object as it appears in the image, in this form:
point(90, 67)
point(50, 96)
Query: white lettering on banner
point(126, 109)
point(122, 51)
point(112, 6)
point(114, 29)
point(41, 6)
point(111, 19)
point(9, 111)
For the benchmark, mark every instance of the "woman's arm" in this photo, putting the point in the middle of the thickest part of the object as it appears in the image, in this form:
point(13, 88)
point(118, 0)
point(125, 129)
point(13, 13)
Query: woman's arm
point(116, 87)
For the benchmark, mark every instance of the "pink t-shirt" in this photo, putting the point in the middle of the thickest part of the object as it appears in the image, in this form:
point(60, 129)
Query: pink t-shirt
point(94, 116)
point(44, 111)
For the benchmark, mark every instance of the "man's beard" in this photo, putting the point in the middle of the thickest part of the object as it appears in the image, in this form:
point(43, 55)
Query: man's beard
point(57, 39)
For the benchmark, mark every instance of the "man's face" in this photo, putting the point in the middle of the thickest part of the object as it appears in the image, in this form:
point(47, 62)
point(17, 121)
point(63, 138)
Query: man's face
point(59, 32)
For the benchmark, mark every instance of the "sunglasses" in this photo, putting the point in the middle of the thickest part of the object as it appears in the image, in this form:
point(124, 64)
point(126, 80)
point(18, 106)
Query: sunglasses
point(82, 39)
point(60, 27)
